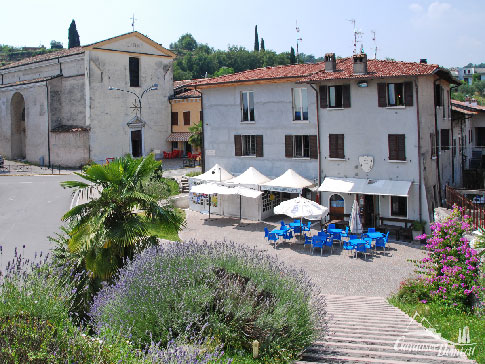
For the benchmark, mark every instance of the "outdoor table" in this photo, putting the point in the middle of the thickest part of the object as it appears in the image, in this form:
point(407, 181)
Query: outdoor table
point(294, 224)
point(354, 242)
point(335, 231)
point(375, 235)
point(278, 232)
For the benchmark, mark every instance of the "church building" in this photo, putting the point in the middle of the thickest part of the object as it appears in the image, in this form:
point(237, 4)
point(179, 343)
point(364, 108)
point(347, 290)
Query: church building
point(88, 103)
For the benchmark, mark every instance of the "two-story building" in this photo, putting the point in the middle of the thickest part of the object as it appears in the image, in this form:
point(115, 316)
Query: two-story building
point(87, 103)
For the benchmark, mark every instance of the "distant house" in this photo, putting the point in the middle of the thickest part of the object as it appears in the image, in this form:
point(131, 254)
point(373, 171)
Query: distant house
point(468, 139)
point(466, 74)
point(66, 107)
point(186, 112)
point(376, 131)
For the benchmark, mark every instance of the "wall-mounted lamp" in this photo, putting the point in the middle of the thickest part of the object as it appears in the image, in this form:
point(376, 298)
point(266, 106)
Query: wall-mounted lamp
point(362, 84)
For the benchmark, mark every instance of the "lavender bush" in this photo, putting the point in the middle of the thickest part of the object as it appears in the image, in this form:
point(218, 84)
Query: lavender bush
point(222, 290)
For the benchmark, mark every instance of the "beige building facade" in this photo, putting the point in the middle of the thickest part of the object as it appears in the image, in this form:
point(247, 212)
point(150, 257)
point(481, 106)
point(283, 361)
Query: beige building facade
point(88, 103)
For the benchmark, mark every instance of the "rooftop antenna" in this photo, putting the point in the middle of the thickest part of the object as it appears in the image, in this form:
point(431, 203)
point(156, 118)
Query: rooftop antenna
point(133, 21)
point(375, 44)
point(298, 39)
point(357, 34)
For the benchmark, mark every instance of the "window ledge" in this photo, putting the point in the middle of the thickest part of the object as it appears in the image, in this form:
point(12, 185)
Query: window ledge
point(248, 122)
point(301, 121)
point(395, 107)
point(336, 159)
point(396, 161)
point(248, 156)
point(302, 158)
point(335, 108)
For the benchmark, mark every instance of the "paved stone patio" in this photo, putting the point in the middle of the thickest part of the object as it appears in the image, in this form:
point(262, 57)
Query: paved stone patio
point(338, 273)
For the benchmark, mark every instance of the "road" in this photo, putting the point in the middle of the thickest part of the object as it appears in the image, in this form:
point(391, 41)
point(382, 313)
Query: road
point(31, 208)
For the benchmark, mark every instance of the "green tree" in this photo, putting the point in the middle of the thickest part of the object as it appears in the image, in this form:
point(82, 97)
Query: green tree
point(56, 45)
point(196, 138)
point(185, 43)
point(73, 36)
point(292, 56)
point(256, 39)
point(223, 71)
point(262, 45)
point(121, 217)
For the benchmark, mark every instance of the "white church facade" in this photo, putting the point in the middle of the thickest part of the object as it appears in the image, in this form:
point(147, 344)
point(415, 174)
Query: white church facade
point(89, 103)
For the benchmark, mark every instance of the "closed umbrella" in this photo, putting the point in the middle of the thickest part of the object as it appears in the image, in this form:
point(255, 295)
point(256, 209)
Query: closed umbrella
point(355, 224)
point(300, 207)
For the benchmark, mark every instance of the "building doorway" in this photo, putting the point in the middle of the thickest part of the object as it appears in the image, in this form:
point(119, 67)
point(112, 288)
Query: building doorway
point(370, 211)
point(136, 143)
point(17, 136)
point(336, 210)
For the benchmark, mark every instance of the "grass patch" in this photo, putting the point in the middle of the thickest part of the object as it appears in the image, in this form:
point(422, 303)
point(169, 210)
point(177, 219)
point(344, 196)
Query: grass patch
point(448, 321)
point(169, 233)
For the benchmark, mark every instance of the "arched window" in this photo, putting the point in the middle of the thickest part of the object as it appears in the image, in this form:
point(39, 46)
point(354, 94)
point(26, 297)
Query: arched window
point(336, 204)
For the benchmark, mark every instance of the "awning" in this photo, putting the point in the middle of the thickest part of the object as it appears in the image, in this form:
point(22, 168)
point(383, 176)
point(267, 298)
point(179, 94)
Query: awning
point(179, 137)
point(290, 182)
point(212, 188)
point(216, 174)
point(365, 186)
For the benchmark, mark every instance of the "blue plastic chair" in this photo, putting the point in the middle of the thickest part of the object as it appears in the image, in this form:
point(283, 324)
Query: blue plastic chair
point(266, 233)
point(361, 248)
point(273, 237)
point(348, 246)
point(322, 233)
point(297, 229)
point(282, 224)
point(308, 241)
point(288, 235)
point(329, 242)
point(381, 242)
point(318, 242)
point(307, 226)
point(371, 230)
point(331, 226)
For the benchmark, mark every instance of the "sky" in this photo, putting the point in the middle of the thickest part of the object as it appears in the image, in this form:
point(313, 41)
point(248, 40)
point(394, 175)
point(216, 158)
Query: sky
point(445, 32)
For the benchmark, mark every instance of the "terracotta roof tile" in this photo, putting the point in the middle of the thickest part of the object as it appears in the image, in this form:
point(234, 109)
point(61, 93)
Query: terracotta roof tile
point(375, 69)
point(179, 137)
point(45, 57)
point(467, 106)
point(190, 93)
point(267, 73)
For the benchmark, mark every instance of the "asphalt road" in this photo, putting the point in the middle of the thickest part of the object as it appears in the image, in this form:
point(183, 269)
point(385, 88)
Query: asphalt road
point(31, 208)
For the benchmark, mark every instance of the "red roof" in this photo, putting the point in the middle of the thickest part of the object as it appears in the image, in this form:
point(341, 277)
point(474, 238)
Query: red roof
point(375, 69)
point(190, 93)
point(467, 106)
point(45, 57)
point(296, 71)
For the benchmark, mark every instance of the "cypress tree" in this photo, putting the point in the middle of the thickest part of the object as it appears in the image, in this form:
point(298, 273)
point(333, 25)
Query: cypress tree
point(262, 45)
point(256, 39)
point(292, 56)
point(73, 36)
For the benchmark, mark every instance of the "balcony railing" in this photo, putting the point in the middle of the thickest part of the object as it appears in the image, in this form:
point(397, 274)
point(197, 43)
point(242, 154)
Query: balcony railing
point(475, 210)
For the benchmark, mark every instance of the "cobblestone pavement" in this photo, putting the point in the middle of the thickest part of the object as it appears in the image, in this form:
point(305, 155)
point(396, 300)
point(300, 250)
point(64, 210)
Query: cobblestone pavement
point(337, 273)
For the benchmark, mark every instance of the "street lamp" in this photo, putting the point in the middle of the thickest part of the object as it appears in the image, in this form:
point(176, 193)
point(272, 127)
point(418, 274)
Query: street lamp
point(153, 87)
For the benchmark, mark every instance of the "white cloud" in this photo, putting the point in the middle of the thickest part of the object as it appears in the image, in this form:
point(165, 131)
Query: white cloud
point(437, 10)
point(416, 8)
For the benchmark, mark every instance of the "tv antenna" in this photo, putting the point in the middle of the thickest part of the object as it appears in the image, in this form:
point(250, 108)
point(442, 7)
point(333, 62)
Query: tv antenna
point(298, 39)
point(375, 44)
point(357, 34)
point(133, 21)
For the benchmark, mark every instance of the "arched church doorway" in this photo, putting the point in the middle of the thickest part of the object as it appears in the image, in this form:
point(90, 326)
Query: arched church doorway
point(17, 112)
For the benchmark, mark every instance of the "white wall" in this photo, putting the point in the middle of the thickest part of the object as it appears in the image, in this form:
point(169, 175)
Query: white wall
point(273, 119)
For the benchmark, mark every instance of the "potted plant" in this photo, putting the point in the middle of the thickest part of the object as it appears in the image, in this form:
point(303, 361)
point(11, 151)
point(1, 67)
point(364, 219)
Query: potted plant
point(418, 228)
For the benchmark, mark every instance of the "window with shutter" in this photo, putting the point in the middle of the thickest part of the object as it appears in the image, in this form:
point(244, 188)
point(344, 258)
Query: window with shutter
point(301, 146)
point(445, 139)
point(399, 206)
point(175, 118)
point(248, 145)
point(323, 97)
point(381, 95)
point(186, 117)
point(237, 146)
point(336, 146)
point(289, 146)
point(247, 106)
point(313, 147)
point(259, 146)
point(134, 68)
point(346, 96)
point(395, 94)
point(397, 148)
point(335, 98)
point(408, 93)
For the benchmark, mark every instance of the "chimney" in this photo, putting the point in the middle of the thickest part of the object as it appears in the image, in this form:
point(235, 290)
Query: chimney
point(423, 60)
point(330, 62)
point(360, 63)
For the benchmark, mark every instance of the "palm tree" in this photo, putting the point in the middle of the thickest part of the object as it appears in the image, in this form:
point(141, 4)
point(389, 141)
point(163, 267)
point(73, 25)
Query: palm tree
point(196, 138)
point(121, 217)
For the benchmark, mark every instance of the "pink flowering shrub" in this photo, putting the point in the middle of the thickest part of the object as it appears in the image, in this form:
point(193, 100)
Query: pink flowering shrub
point(450, 268)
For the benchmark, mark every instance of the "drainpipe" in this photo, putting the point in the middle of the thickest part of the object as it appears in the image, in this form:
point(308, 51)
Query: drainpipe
point(48, 124)
point(202, 148)
point(420, 188)
point(436, 144)
point(318, 142)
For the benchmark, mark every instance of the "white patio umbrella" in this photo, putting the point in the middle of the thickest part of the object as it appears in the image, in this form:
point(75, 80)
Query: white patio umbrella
point(300, 207)
point(355, 224)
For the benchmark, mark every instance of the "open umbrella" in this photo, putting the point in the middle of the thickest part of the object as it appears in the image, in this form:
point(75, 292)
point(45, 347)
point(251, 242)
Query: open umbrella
point(300, 207)
point(355, 224)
